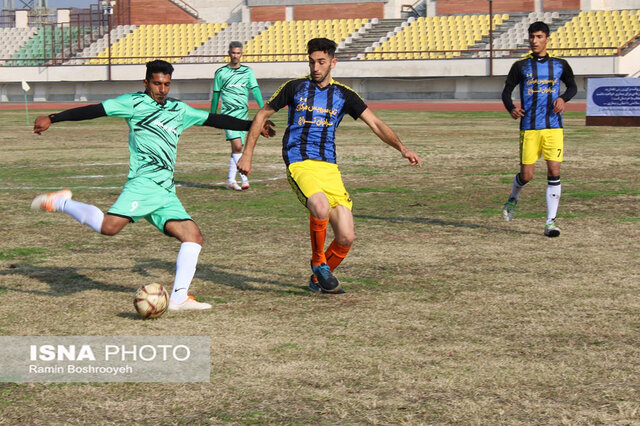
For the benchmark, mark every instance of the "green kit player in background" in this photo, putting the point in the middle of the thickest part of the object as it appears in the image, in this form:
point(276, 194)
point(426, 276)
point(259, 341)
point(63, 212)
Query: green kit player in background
point(231, 85)
point(155, 125)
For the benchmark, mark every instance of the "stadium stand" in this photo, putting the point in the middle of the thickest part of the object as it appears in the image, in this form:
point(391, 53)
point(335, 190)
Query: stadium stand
point(101, 44)
point(435, 34)
point(431, 46)
point(574, 33)
point(286, 40)
point(596, 33)
point(513, 34)
point(218, 45)
point(368, 34)
point(13, 40)
point(46, 44)
point(168, 41)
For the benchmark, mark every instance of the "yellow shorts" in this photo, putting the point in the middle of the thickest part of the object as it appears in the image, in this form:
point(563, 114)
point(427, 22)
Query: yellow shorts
point(534, 143)
point(311, 176)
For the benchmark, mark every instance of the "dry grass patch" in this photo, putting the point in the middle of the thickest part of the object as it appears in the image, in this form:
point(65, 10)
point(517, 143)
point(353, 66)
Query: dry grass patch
point(451, 315)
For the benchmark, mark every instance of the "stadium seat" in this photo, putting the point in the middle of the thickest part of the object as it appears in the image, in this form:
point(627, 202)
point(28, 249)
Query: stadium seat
point(291, 36)
point(170, 41)
point(15, 41)
point(594, 30)
point(439, 33)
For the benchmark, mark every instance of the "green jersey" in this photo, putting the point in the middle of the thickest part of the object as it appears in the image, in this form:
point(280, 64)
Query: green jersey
point(234, 86)
point(154, 130)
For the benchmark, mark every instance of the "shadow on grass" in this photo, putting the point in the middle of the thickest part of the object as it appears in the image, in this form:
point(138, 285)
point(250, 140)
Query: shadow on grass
point(132, 316)
point(440, 222)
point(61, 280)
point(200, 185)
point(219, 276)
point(64, 281)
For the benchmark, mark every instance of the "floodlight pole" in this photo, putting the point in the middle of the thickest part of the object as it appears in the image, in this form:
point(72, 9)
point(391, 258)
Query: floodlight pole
point(108, 10)
point(490, 38)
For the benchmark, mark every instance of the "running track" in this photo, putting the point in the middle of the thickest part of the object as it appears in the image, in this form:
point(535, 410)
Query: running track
point(453, 105)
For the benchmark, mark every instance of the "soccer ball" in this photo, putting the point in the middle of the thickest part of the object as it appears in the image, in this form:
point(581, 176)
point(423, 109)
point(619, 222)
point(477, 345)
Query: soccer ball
point(151, 300)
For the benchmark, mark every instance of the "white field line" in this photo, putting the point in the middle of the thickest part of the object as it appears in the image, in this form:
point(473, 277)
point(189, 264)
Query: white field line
point(92, 176)
point(181, 164)
point(45, 188)
point(56, 166)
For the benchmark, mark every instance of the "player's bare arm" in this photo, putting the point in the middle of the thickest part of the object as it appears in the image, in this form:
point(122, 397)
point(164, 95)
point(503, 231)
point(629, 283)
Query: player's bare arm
point(260, 123)
point(388, 136)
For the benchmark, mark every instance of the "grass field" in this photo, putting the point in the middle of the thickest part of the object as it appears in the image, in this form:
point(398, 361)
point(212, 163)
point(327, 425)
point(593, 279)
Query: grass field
point(451, 315)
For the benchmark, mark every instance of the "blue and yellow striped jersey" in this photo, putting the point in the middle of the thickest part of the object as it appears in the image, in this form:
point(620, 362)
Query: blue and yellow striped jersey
point(539, 79)
point(314, 116)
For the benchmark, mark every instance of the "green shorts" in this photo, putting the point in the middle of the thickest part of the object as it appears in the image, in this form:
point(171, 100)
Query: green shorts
point(234, 134)
point(143, 198)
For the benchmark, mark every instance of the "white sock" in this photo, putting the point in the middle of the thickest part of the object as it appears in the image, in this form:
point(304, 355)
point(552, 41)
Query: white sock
point(86, 214)
point(554, 189)
point(236, 158)
point(233, 168)
point(185, 269)
point(516, 188)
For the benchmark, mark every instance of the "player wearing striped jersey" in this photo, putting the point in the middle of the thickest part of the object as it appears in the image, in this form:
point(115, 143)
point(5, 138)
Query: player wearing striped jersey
point(155, 125)
point(541, 129)
point(231, 85)
point(317, 104)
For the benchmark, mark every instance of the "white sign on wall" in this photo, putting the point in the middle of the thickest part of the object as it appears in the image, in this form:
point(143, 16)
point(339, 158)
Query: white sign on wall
point(613, 97)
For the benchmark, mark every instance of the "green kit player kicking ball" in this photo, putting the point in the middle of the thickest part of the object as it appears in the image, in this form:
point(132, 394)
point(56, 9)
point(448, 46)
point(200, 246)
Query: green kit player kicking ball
point(156, 123)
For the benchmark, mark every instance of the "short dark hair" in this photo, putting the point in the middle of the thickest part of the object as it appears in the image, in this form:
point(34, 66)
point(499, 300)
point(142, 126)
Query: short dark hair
point(539, 26)
point(235, 44)
point(156, 66)
point(322, 45)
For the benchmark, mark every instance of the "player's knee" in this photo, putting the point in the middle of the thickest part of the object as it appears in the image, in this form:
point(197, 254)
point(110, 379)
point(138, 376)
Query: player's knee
point(112, 224)
point(346, 240)
point(526, 176)
point(318, 206)
point(198, 239)
point(109, 229)
point(193, 236)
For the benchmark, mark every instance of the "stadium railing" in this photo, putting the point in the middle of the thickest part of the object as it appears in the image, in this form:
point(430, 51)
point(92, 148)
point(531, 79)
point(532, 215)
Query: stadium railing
point(280, 43)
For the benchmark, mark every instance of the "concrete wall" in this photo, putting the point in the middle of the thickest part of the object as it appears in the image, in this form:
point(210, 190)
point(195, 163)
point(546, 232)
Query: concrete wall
point(221, 10)
point(437, 88)
point(276, 10)
point(447, 7)
point(374, 80)
point(452, 7)
point(241, 10)
point(609, 4)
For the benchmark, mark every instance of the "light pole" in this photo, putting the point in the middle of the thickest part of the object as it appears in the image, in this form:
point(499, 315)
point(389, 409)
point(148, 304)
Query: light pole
point(108, 6)
point(490, 38)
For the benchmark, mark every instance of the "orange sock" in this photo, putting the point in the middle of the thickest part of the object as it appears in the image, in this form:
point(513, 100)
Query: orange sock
point(318, 228)
point(335, 254)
